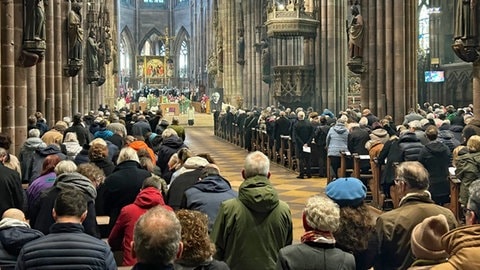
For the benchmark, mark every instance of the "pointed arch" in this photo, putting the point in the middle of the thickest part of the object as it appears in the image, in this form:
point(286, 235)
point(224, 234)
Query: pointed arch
point(182, 53)
point(148, 36)
point(127, 52)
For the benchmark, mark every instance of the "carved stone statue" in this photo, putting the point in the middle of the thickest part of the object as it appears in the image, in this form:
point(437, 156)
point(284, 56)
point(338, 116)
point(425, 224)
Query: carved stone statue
point(75, 32)
point(266, 63)
point(92, 57)
point(34, 20)
point(355, 34)
point(108, 45)
point(241, 50)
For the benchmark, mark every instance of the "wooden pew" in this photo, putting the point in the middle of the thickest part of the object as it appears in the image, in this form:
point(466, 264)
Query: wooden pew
point(378, 198)
point(358, 161)
point(345, 157)
point(284, 150)
point(455, 194)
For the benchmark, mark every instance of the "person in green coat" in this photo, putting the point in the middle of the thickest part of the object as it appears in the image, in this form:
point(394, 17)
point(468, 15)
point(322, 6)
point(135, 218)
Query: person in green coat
point(250, 230)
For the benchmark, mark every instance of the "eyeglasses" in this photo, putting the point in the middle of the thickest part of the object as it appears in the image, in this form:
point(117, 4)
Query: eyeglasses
point(398, 181)
point(466, 211)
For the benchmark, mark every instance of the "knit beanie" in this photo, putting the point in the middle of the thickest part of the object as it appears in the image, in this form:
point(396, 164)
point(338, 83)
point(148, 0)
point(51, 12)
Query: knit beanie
point(426, 238)
point(348, 191)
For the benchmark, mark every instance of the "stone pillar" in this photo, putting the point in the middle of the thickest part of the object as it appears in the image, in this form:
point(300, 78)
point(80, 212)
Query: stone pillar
point(476, 86)
point(75, 96)
point(20, 102)
point(389, 85)
point(67, 100)
point(49, 112)
point(7, 61)
point(59, 106)
point(31, 90)
point(331, 53)
point(40, 83)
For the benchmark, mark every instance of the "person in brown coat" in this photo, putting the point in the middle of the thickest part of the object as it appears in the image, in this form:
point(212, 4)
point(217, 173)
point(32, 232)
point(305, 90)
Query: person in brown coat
point(463, 244)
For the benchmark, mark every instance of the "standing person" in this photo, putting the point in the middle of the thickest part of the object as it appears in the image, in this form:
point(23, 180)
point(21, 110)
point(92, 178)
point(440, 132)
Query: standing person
point(337, 141)
point(467, 167)
point(394, 228)
point(320, 146)
point(251, 229)
point(11, 192)
point(191, 115)
point(123, 185)
point(121, 236)
point(321, 217)
point(303, 134)
point(356, 231)
point(27, 152)
point(198, 248)
point(157, 240)
point(463, 244)
point(435, 157)
point(83, 135)
point(67, 246)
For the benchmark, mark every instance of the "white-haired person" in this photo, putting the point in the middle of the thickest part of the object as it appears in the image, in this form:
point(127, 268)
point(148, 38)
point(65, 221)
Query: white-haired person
point(123, 185)
point(321, 217)
point(170, 145)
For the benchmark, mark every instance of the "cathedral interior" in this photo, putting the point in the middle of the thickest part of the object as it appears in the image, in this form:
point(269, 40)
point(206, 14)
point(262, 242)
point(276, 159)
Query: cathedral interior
point(60, 57)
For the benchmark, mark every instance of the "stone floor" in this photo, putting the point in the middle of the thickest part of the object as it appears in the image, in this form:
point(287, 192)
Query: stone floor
point(230, 157)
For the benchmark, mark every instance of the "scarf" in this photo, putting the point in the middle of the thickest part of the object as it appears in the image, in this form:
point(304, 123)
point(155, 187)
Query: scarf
point(318, 237)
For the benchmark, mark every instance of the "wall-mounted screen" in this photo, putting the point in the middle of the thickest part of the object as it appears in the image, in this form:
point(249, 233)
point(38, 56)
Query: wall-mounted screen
point(435, 76)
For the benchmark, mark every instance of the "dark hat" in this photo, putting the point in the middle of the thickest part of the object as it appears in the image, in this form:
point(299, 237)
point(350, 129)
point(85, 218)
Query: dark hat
point(348, 191)
point(426, 238)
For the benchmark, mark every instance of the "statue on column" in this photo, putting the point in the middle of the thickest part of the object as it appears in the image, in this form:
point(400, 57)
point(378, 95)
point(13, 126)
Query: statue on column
point(466, 35)
point(75, 37)
point(355, 35)
point(108, 45)
point(34, 44)
point(266, 63)
point(92, 57)
point(241, 48)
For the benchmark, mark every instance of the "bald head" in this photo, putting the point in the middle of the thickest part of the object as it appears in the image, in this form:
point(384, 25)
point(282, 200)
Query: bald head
point(14, 213)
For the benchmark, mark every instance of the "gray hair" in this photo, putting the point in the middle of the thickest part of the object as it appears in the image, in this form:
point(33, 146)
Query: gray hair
point(414, 174)
point(322, 213)
point(34, 133)
point(65, 166)
point(169, 132)
point(256, 163)
point(127, 153)
point(157, 237)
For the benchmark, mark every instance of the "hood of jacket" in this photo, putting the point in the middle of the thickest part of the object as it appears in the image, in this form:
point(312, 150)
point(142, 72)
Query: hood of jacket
point(463, 244)
point(475, 122)
point(49, 150)
point(436, 147)
point(213, 184)
point(12, 222)
point(408, 137)
point(77, 181)
point(137, 145)
point(445, 134)
point(34, 143)
point(148, 198)
point(339, 128)
point(195, 162)
point(173, 142)
point(258, 194)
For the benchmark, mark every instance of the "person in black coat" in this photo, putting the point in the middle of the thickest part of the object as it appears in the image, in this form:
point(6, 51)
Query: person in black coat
point(171, 143)
point(282, 127)
point(303, 134)
point(435, 157)
point(67, 246)
point(124, 184)
point(11, 192)
point(358, 136)
point(83, 135)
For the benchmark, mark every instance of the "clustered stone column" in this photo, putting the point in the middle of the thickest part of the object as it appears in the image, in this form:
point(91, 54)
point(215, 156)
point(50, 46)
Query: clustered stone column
point(389, 85)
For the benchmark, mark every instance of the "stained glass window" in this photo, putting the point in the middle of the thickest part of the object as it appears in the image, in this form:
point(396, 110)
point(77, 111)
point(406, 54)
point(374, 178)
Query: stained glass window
point(183, 61)
point(423, 25)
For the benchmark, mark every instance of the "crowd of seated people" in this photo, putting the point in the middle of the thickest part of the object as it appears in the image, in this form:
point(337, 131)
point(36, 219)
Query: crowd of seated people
point(121, 171)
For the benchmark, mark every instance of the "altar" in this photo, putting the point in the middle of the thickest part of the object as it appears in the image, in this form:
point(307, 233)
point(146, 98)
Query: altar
point(170, 108)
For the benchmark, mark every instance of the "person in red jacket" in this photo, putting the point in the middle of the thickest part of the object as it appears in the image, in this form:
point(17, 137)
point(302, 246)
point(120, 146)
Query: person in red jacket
point(121, 236)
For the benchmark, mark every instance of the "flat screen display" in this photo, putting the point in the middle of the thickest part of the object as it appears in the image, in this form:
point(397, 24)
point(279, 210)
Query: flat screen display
point(435, 76)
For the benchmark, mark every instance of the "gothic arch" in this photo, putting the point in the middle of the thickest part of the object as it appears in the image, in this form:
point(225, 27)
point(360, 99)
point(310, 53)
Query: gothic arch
point(127, 35)
point(181, 36)
point(126, 38)
point(147, 36)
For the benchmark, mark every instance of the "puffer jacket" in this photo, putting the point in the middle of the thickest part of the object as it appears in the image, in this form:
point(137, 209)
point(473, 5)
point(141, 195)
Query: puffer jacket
point(463, 246)
point(435, 157)
point(40, 156)
point(239, 239)
point(66, 247)
point(337, 140)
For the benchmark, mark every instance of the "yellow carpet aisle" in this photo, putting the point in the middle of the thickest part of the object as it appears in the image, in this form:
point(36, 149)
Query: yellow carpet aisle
point(230, 159)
